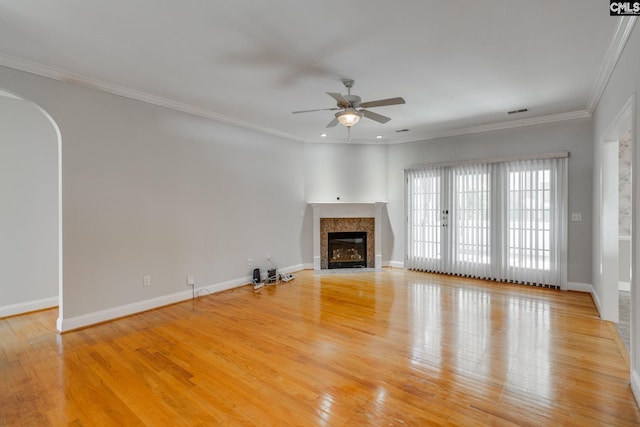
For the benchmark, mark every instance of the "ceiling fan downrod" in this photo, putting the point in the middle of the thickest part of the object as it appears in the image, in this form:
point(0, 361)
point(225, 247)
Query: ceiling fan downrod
point(348, 83)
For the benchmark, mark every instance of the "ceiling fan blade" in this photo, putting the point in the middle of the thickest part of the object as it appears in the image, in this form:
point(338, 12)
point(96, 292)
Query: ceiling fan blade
point(342, 101)
point(375, 116)
point(318, 109)
point(333, 122)
point(382, 102)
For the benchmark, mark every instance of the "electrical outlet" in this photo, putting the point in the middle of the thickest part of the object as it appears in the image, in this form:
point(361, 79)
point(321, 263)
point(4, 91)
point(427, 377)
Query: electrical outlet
point(190, 281)
point(250, 262)
point(146, 281)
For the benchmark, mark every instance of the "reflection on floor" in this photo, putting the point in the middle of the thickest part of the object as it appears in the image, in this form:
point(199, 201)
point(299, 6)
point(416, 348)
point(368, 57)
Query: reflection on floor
point(623, 325)
point(349, 270)
point(390, 348)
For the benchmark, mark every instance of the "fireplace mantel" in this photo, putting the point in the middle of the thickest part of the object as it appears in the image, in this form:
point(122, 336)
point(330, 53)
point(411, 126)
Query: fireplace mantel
point(347, 210)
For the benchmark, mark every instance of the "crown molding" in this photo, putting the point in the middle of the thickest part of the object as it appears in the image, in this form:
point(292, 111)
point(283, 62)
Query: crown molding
point(88, 82)
point(573, 115)
point(113, 89)
point(612, 55)
point(338, 140)
point(561, 117)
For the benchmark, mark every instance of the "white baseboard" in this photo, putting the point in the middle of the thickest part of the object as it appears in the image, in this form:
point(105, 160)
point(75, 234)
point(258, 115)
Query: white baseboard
point(26, 307)
point(308, 266)
point(580, 287)
point(71, 323)
point(293, 268)
point(396, 264)
point(635, 385)
point(624, 286)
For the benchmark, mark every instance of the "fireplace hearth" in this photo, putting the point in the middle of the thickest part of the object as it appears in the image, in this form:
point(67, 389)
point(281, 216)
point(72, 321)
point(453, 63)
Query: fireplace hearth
point(347, 249)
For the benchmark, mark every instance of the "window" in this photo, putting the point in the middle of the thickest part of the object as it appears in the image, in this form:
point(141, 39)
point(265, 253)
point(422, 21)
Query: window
point(503, 221)
point(426, 217)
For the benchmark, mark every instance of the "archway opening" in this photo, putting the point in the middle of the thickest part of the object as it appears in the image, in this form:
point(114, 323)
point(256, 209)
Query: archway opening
point(30, 208)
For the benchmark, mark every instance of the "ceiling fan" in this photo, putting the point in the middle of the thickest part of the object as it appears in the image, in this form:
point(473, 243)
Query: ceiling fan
point(353, 109)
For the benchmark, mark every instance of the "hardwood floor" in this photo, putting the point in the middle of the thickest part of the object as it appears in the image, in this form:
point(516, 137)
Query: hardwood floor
point(386, 348)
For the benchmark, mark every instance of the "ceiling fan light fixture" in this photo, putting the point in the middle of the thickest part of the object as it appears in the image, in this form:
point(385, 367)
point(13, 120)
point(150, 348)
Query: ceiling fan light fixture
point(349, 117)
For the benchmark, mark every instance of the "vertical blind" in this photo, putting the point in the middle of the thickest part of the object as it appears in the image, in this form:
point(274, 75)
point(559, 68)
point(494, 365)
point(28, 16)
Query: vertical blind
point(502, 221)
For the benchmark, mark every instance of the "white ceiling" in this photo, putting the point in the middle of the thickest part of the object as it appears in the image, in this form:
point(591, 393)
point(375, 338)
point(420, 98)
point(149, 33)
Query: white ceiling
point(459, 65)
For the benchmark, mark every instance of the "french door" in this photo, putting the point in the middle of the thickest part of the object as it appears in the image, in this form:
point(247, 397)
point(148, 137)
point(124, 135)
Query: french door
point(502, 221)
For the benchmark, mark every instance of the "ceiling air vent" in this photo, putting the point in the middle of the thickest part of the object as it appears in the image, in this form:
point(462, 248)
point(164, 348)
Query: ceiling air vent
point(522, 110)
point(402, 130)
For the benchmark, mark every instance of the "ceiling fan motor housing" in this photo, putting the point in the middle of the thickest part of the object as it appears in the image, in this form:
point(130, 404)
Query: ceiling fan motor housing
point(354, 101)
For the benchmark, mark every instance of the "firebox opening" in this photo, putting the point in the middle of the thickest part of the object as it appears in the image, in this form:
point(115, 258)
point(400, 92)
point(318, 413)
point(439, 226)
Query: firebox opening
point(347, 249)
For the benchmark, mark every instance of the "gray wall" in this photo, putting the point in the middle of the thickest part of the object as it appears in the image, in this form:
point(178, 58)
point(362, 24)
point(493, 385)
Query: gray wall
point(151, 191)
point(28, 205)
point(573, 136)
point(353, 172)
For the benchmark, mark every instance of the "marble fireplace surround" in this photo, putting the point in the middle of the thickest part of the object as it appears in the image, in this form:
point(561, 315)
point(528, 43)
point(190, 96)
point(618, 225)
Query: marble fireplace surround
point(351, 212)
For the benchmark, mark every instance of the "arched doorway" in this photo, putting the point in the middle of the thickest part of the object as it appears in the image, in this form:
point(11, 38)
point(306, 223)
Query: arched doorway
point(30, 208)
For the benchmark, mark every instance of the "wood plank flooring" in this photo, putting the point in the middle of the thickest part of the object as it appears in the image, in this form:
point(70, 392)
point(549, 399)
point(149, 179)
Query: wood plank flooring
point(385, 348)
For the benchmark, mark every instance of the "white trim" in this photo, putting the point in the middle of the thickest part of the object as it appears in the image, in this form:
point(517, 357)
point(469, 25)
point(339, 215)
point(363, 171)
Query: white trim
point(612, 55)
point(26, 307)
point(53, 123)
point(68, 324)
point(292, 269)
point(572, 115)
point(635, 385)
point(88, 82)
point(396, 264)
point(616, 46)
point(307, 266)
point(91, 83)
point(580, 287)
point(624, 286)
point(606, 277)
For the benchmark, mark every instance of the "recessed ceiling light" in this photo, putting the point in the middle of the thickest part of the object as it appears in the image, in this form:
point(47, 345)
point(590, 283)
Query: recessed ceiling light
point(379, 136)
point(323, 135)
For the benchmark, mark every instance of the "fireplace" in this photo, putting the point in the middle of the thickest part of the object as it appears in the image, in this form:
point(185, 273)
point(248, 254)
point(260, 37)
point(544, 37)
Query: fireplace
point(347, 217)
point(347, 249)
point(329, 226)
